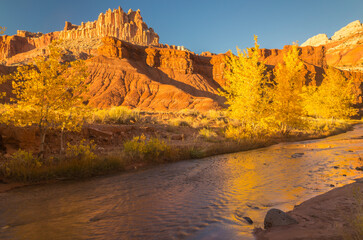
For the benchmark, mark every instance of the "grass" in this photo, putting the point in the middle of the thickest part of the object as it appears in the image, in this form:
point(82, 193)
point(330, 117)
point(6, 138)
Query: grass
point(79, 162)
point(204, 134)
point(117, 115)
point(150, 150)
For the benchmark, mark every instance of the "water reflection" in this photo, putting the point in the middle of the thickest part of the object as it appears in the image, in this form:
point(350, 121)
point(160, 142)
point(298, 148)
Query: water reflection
point(201, 199)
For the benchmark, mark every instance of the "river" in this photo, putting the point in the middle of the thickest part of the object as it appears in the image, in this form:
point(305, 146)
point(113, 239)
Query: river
point(195, 199)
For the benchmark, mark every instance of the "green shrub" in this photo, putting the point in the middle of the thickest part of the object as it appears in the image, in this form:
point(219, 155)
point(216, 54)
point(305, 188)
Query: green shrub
point(139, 148)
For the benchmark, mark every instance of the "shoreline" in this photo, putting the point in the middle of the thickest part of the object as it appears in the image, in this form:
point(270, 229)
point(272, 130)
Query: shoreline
point(209, 151)
point(336, 214)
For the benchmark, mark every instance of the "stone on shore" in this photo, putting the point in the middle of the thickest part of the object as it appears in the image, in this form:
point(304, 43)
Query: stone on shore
point(276, 217)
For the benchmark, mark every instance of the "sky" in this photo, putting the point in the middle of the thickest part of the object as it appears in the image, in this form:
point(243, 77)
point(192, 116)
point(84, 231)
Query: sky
point(199, 25)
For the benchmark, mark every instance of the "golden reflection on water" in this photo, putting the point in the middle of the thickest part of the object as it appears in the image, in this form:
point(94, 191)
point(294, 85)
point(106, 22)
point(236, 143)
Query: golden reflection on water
point(186, 200)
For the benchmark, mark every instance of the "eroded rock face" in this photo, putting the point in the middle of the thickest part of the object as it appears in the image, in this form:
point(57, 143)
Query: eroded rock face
point(310, 55)
point(125, 26)
point(344, 49)
point(317, 40)
point(129, 27)
point(351, 29)
point(151, 78)
point(24, 42)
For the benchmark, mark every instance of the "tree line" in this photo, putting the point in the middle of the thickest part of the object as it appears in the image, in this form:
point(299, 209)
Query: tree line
point(283, 102)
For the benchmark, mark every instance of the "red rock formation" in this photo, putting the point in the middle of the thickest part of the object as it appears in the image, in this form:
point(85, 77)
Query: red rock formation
point(310, 55)
point(151, 78)
point(136, 71)
point(13, 45)
point(125, 26)
point(344, 49)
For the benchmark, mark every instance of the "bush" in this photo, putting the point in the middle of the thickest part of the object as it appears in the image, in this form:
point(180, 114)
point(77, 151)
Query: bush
point(177, 122)
point(207, 134)
point(81, 150)
point(139, 148)
point(22, 166)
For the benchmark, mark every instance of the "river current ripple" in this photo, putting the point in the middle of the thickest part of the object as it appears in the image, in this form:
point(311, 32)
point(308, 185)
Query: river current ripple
point(195, 199)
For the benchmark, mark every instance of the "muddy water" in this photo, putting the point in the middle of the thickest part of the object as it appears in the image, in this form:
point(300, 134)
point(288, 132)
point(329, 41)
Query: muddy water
point(199, 199)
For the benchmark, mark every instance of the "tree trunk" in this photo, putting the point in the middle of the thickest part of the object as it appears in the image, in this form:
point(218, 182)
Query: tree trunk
point(42, 143)
point(62, 142)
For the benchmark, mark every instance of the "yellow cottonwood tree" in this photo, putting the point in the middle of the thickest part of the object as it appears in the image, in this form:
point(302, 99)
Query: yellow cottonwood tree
point(246, 87)
point(2, 30)
point(287, 99)
point(49, 93)
point(334, 98)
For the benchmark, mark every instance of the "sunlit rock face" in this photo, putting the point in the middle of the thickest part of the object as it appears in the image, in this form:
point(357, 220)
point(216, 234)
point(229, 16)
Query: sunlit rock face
point(129, 27)
point(352, 28)
point(317, 40)
point(152, 78)
point(125, 26)
point(344, 49)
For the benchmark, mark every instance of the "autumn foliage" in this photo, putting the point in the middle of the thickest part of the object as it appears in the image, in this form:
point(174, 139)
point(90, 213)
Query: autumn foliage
point(49, 93)
point(246, 90)
point(285, 102)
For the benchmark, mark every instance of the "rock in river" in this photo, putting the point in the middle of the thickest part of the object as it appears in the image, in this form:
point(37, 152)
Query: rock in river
point(276, 217)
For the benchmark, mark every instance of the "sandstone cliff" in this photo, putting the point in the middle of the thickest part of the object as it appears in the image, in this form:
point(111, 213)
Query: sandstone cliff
point(151, 78)
point(125, 26)
point(344, 49)
point(80, 40)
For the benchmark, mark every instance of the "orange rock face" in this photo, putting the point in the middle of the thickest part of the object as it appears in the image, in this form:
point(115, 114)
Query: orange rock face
point(310, 55)
point(151, 78)
point(125, 26)
point(13, 45)
point(344, 50)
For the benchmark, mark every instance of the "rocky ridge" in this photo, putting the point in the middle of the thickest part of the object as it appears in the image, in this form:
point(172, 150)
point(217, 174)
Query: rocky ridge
point(352, 28)
point(344, 49)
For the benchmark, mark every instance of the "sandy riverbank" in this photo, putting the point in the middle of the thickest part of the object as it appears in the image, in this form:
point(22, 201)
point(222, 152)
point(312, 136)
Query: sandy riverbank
point(331, 215)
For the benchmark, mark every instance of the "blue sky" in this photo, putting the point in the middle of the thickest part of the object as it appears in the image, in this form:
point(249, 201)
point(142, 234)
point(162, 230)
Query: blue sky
point(200, 25)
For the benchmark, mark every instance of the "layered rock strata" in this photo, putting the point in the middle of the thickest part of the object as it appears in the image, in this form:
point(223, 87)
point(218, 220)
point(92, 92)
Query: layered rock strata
point(126, 26)
point(344, 49)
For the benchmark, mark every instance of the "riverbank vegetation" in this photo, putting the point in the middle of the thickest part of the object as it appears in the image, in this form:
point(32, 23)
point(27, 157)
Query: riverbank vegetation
point(264, 108)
